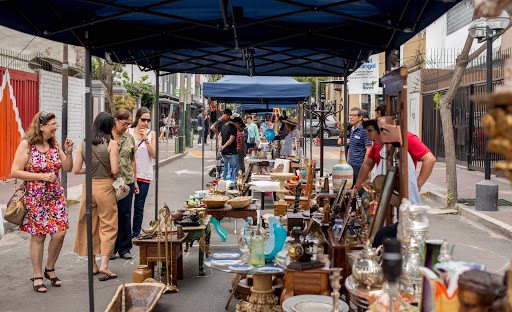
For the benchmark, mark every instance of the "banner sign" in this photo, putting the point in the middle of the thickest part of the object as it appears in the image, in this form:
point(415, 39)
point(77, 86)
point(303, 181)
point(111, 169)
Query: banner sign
point(365, 80)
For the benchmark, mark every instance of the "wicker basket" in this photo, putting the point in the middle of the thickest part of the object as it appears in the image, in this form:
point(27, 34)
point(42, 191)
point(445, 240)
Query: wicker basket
point(215, 201)
point(240, 202)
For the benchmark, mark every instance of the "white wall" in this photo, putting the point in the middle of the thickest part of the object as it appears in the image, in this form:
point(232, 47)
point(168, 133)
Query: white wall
point(413, 102)
point(437, 38)
point(50, 99)
point(15, 41)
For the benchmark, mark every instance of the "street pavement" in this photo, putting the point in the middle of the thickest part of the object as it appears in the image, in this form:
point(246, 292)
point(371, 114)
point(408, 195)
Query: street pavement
point(178, 179)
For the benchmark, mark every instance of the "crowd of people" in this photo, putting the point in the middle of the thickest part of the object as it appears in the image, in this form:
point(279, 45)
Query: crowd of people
point(125, 148)
point(237, 136)
point(121, 148)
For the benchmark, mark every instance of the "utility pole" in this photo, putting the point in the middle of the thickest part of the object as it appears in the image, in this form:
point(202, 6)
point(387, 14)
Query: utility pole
point(188, 112)
point(64, 133)
point(181, 114)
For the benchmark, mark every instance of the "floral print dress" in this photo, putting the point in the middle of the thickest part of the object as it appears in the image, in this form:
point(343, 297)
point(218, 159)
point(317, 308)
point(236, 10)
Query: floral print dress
point(45, 202)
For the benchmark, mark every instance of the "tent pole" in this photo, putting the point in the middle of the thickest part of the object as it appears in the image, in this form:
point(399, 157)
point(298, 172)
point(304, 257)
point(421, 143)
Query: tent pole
point(88, 171)
point(157, 131)
point(345, 114)
point(204, 143)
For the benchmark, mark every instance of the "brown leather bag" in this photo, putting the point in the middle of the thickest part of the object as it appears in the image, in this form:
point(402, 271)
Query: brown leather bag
point(16, 208)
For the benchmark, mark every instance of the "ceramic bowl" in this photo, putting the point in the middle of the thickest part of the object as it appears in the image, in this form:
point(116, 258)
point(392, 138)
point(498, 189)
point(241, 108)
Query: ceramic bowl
point(215, 202)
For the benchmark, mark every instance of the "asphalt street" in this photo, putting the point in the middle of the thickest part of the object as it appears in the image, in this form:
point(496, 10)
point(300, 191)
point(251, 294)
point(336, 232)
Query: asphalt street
point(177, 181)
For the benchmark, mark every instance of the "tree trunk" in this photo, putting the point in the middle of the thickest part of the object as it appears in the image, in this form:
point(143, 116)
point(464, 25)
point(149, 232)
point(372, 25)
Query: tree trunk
point(445, 110)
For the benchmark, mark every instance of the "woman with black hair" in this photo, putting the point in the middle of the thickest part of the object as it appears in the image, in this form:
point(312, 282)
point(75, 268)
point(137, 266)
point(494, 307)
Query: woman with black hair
point(104, 205)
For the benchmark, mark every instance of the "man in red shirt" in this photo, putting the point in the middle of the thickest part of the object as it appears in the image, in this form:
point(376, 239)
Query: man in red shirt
point(416, 148)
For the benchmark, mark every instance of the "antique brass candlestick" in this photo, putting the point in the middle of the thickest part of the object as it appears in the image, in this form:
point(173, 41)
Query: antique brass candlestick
point(168, 225)
point(159, 264)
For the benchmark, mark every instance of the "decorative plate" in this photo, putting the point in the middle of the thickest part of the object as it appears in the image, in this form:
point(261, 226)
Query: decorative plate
point(242, 268)
point(317, 306)
point(269, 269)
point(226, 255)
point(288, 303)
point(226, 262)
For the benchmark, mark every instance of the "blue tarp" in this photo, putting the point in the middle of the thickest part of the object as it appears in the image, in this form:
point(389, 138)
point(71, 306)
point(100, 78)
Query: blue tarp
point(240, 37)
point(257, 92)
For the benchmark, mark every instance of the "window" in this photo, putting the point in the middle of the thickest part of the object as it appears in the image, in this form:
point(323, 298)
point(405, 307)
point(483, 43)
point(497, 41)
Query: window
point(459, 16)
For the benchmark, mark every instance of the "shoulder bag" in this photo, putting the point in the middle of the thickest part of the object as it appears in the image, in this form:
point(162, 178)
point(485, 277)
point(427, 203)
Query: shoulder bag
point(122, 190)
point(16, 208)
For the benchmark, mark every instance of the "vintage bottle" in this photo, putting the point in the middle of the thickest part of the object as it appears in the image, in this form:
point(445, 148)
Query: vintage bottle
point(302, 167)
point(141, 273)
point(258, 249)
point(341, 171)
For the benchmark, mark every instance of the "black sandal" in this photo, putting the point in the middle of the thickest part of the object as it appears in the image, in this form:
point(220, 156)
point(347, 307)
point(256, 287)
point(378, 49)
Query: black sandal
point(52, 280)
point(37, 287)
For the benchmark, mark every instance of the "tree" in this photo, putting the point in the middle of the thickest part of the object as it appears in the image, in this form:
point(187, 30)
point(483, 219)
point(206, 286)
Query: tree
point(312, 80)
point(445, 110)
point(106, 73)
point(142, 90)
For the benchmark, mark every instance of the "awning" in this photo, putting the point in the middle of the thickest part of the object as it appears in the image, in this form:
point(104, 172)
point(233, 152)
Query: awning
point(243, 37)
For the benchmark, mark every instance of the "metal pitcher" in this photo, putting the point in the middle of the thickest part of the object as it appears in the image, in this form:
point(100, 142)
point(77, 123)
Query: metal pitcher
point(367, 270)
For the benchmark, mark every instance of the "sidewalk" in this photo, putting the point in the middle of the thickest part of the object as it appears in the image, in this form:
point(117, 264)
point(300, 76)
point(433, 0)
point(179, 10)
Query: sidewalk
point(166, 155)
point(498, 221)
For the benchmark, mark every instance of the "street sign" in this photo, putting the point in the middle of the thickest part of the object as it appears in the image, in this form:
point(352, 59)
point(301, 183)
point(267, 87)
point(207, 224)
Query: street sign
point(177, 91)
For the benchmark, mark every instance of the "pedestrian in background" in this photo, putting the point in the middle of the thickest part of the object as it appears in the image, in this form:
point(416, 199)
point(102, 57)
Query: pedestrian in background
point(144, 154)
point(253, 136)
point(206, 126)
point(104, 206)
point(227, 147)
point(162, 126)
point(127, 169)
point(240, 147)
point(359, 144)
point(200, 126)
point(46, 206)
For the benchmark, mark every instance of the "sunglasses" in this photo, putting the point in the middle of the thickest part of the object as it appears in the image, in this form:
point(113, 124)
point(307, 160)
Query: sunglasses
point(43, 116)
point(145, 120)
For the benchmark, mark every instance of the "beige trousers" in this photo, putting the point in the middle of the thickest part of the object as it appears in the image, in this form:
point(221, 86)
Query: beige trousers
point(104, 220)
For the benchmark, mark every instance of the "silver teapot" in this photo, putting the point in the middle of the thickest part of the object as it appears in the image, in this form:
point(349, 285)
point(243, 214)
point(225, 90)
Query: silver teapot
point(367, 270)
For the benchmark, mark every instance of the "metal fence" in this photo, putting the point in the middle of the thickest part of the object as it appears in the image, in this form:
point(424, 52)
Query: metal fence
point(30, 62)
point(466, 114)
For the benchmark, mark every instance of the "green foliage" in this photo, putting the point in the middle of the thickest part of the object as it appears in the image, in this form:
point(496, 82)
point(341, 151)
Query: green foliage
point(437, 98)
point(142, 90)
point(125, 101)
point(312, 80)
point(449, 198)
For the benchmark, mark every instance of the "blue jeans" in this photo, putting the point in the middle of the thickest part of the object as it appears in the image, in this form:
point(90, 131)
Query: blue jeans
point(138, 208)
point(356, 169)
point(206, 135)
point(124, 223)
point(232, 160)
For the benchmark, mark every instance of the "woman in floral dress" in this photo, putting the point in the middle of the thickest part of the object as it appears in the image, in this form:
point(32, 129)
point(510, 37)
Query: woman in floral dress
point(45, 202)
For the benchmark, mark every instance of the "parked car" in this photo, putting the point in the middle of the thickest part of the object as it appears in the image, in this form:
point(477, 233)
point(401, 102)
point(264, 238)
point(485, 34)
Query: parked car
point(332, 130)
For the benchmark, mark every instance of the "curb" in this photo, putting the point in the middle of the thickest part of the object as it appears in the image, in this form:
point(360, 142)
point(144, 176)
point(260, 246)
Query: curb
point(435, 196)
point(492, 224)
point(170, 159)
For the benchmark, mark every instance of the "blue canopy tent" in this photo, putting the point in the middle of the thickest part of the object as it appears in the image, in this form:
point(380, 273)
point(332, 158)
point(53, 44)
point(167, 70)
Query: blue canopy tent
point(242, 37)
point(259, 92)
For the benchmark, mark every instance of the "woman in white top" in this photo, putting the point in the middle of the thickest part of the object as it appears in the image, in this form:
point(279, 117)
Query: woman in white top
point(293, 133)
point(145, 152)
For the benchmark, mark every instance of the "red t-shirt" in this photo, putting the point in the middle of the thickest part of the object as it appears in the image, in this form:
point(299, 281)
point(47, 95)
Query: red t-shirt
point(416, 149)
point(375, 153)
point(239, 140)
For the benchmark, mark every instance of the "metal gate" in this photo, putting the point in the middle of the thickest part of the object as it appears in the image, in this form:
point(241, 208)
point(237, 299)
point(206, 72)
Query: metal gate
point(468, 132)
point(25, 91)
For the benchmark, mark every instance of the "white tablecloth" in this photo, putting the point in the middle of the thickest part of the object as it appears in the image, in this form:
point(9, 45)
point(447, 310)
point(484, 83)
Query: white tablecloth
point(264, 186)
